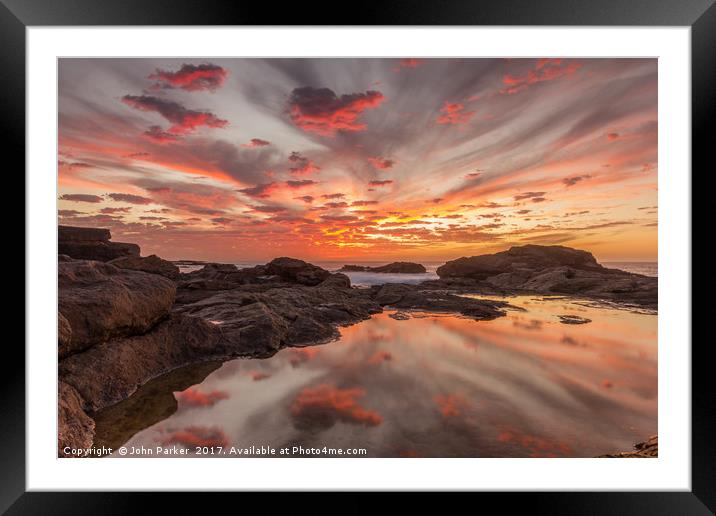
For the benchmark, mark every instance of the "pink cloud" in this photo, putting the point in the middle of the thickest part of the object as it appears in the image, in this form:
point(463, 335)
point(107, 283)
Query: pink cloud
point(453, 113)
point(545, 70)
point(381, 163)
point(183, 120)
point(321, 111)
point(192, 77)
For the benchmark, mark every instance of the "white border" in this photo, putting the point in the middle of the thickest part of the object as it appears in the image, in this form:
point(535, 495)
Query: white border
point(671, 471)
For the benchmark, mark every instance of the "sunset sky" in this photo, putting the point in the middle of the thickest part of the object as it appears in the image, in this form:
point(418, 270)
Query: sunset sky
point(361, 159)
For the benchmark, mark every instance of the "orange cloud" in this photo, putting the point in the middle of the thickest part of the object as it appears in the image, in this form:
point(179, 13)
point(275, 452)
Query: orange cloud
point(198, 436)
point(545, 70)
point(322, 406)
point(381, 163)
point(453, 113)
point(408, 62)
point(380, 356)
point(449, 405)
point(535, 446)
point(195, 398)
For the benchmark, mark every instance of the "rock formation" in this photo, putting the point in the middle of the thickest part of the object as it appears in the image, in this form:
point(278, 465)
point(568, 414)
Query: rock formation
point(393, 268)
point(549, 270)
point(91, 244)
point(98, 301)
point(152, 264)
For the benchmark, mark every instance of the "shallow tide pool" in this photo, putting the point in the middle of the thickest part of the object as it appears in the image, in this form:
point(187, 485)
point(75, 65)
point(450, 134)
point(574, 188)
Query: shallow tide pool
point(434, 385)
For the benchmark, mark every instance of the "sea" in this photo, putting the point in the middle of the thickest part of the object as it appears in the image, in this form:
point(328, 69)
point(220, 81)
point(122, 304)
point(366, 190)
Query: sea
point(366, 279)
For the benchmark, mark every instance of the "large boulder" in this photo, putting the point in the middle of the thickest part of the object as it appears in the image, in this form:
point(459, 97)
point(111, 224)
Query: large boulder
point(337, 280)
point(515, 259)
point(98, 301)
point(92, 244)
point(151, 264)
point(296, 271)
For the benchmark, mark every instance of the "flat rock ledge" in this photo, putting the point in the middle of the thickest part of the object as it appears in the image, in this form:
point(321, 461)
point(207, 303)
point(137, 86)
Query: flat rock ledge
point(92, 244)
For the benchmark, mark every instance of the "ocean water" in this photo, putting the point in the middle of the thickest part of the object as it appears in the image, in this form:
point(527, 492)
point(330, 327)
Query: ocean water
point(523, 385)
point(645, 268)
point(366, 279)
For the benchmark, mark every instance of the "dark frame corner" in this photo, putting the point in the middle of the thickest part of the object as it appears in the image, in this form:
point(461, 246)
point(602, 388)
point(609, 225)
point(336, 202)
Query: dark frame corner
point(700, 15)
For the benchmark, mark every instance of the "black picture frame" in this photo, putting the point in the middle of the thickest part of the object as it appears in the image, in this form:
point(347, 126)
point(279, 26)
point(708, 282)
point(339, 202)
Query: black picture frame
point(700, 15)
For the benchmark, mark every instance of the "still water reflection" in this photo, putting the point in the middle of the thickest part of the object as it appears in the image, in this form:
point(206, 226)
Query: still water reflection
point(525, 385)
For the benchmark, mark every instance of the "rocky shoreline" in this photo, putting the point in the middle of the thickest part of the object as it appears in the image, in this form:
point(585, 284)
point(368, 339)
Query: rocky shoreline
point(125, 319)
point(391, 268)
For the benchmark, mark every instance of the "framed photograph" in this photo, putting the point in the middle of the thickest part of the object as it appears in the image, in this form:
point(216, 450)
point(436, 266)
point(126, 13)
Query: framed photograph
point(454, 242)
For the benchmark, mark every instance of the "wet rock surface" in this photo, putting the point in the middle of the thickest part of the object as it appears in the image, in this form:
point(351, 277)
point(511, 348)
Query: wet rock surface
point(413, 297)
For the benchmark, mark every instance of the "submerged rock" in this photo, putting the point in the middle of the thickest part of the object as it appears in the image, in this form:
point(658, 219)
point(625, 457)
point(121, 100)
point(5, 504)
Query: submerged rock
point(400, 295)
point(573, 319)
point(399, 316)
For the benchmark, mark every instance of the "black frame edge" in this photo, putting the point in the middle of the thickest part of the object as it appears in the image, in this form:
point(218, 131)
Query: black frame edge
point(12, 393)
point(703, 116)
point(700, 14)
